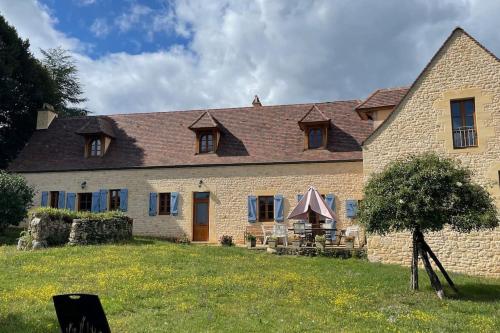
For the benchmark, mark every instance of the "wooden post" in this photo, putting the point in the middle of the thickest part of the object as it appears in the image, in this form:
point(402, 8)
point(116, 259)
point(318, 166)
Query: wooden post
point(414, 262)
point(436, 284)
point(438, 264)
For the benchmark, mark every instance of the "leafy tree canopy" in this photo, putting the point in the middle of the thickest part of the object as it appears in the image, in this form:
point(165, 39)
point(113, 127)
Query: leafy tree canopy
point(64, 73)
point(426, 192)
point(15, 199)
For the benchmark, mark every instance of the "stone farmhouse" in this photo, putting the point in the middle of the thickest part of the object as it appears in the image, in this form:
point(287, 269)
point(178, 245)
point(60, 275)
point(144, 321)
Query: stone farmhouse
point(208, 173)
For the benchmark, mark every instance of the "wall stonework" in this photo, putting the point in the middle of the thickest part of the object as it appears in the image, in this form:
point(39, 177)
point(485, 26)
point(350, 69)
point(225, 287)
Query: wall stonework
point(423, 123)
point(229, 187)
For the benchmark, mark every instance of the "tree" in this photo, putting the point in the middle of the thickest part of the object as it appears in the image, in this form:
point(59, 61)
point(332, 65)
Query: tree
point(424, 193)
point(64, 73)
point(24, 86)
point(15, 199)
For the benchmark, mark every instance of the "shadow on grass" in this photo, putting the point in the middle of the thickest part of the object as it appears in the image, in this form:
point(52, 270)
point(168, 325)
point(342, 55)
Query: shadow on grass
point(477, 292)
point(16, 323)
point(10, 236)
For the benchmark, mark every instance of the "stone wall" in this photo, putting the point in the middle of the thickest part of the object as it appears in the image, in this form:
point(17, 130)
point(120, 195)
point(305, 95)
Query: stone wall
point(46, 231)
point(100, 231)
point(229, 187)
point(463, 69)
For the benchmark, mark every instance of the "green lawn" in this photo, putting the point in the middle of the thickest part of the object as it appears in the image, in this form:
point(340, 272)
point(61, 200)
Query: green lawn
point(155, 286)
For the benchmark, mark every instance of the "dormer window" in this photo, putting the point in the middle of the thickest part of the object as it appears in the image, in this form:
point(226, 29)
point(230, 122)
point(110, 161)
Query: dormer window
point(315, 125)
point(207, 133)
point(315, 138)
point(98, 133)
point(206, 142)
point(95, 147)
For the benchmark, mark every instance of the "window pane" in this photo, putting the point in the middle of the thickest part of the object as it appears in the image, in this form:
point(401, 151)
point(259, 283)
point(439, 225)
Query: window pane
point(202, 213)
point(455, 109)
point(202, 195)
point(469, 121)
point(457, 122)
point(469, 107)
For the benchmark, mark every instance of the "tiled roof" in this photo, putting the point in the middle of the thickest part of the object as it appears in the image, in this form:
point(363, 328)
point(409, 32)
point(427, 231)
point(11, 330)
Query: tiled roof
point(204, 121)
point(383, 98)
point(97, 125)
point(314, 115)
point(249, 135)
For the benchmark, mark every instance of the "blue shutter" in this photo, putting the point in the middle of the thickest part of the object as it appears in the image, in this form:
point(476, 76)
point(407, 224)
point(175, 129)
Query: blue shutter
point(351, 208)
point(45, 199)
point(174, 203)
point(152, 203)
point(95, 202)
point(299, 197)
point(123, 199)
point(61, 200)
point(278, 208)
point(103, 200)
point(252, 209)
point(70, 201)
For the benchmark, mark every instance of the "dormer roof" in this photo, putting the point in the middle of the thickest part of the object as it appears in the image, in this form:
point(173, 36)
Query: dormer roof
point(97, 125)
point(205, 121)
point(313, 116)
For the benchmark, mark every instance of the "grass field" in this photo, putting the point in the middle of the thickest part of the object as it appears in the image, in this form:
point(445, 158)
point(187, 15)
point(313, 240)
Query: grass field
point(154, 286)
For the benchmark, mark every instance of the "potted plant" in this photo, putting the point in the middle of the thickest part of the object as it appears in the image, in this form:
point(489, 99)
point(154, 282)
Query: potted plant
point(272, 242)
point(226, 240)
point(349, 242)
point(296, 241)
point(251, 240)
point(320, 241)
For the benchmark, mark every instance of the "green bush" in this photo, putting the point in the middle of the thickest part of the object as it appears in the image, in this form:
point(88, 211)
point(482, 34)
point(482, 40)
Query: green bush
point(16, 197)
point(69, 215)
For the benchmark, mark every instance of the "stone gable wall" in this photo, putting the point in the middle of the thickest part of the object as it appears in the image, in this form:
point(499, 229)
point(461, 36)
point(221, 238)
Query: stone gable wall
point(423, 123)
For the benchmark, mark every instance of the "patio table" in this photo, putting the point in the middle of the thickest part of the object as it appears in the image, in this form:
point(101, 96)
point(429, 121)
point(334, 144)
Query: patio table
point(316, 231)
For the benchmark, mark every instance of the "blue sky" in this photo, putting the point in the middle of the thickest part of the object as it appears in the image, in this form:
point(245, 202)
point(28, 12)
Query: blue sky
point(162, 55)
point(113, 26)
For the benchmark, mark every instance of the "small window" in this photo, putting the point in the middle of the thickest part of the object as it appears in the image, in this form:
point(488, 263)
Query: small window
point(95, 147)
point(164, 204)
point(114, 199)
point(206, 142)
point(315, 138)
point(84, 202)
point(463, 120)
point(266, 208)
point(54, 199)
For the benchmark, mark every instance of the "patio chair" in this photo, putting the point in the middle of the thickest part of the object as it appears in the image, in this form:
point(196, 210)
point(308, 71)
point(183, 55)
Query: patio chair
point(266, 232)
point(353, 230)
point(329, 233)
point(299, 228)
point(281, 231)
point(80, 313)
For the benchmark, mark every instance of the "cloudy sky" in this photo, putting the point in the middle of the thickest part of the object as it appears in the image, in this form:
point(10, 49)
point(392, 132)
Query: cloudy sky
point(160, 55)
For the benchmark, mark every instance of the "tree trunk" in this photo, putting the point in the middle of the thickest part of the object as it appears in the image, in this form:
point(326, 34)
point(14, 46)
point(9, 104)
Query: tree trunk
point(414, 261)
point(436, 284)
point(427, 248)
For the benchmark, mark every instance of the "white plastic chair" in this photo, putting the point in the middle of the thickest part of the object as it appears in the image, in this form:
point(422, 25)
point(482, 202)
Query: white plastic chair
point(281, 231)
point(266, 233)
point(353, 230)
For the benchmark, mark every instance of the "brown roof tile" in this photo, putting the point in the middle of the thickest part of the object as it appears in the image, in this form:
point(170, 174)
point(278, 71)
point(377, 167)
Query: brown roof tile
point(97, 125)
point(250, 135)
point(314, 115)
point(383, 97)
point(204, 121)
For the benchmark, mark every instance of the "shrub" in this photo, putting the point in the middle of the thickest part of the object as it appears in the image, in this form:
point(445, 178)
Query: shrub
point(184, 239)
point(26, 240)
point(320, 238)
point(69, 215)
point(15, 199)
point(251, 237)
point(226, 240)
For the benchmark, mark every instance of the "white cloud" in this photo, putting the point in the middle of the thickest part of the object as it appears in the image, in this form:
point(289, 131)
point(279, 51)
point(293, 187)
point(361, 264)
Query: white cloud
point(285, 51)
point(86, 2)
point(100, 27)
point(135, 14)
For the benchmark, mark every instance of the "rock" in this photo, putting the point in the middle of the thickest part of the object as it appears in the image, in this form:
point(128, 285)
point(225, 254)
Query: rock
point(37, 245)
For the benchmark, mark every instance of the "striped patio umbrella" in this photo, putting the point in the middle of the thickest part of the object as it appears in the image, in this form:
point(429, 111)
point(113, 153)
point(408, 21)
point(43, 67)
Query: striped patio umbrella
point(311, 201)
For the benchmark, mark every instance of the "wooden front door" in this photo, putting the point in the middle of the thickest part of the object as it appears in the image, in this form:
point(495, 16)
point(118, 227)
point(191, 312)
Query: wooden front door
point(201, 206)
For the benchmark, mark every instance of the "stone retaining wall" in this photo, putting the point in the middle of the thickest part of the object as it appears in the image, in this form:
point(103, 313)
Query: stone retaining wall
point(46, 231)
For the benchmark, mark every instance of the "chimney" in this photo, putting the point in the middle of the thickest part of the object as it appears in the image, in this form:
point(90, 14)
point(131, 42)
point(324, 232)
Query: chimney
point(256, 101)
point(45, 116)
